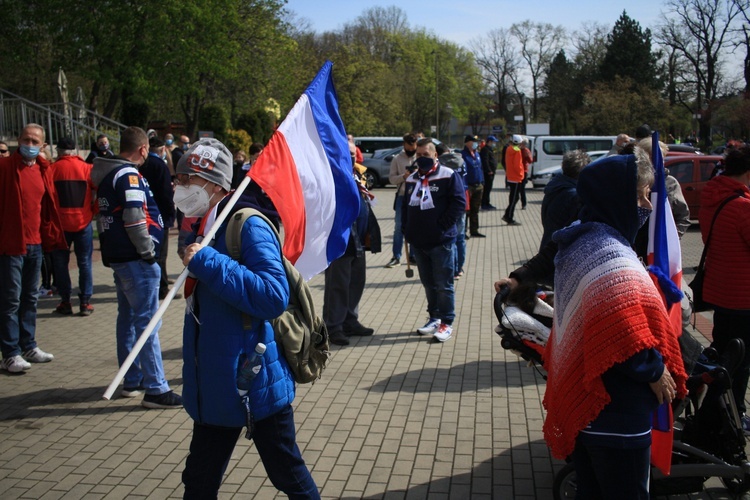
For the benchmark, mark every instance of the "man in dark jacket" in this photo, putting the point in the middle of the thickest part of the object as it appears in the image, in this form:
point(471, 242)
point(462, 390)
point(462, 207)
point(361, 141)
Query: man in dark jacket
point(156, 173)
point(433, 201)
point(345, 279)
point(474, 182)
point(489, 166)
point(560, 205)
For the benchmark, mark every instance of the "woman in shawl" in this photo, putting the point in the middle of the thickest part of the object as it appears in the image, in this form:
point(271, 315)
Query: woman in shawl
point(612, 357)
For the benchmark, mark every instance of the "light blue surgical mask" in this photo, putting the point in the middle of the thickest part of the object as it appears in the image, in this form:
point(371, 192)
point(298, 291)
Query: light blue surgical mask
point(29, 152)
point(474, 145)
point(169, 142)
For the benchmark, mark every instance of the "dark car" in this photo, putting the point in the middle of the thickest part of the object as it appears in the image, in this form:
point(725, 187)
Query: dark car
point(692, 172)
point(683, 148)
point(379, 166)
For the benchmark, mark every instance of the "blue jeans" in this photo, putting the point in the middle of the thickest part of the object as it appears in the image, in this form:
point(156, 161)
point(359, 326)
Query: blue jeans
point(137, 285)
point(275, 440)
point(84, 249)
point(436, 274)
point(459, 248)
point(19, 278)
point(611, 473)
point(398, 236)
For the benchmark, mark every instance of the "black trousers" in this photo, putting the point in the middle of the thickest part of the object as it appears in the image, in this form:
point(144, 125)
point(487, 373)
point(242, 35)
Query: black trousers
point(515, 189)
point(488, 180)
point(728, 326)
point(344, 286)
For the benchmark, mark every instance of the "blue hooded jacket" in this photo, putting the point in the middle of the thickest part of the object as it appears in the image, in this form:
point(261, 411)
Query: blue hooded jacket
point(213, 336)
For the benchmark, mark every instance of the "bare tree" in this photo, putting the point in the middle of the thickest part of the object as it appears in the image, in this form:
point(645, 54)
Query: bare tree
point(499, 62)
point(698, 31)
point(540, 42)
point(744, 40)
point(375, 27)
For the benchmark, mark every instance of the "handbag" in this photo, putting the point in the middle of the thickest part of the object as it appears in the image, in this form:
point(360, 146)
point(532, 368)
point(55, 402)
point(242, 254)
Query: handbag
point(700, 305)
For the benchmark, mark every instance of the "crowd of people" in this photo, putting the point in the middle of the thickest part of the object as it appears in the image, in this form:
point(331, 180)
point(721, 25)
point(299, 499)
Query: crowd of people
point(592, 214)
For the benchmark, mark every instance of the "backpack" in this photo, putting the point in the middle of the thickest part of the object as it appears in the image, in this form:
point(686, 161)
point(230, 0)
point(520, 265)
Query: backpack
point(302, 334)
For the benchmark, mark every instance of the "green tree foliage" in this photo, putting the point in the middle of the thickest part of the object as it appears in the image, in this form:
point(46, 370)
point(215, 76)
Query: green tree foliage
point(629, 54)
point(620, 106)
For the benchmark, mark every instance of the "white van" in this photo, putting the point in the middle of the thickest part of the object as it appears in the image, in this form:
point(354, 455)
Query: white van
point(548, 150)
point(368, 145)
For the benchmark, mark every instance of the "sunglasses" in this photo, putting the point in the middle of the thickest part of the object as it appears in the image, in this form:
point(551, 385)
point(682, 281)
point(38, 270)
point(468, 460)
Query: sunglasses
point(3, 151)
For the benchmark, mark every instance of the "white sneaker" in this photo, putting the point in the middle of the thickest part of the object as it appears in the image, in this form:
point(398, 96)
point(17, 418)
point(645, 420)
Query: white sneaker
point(36, 355)
point(444, 332)
point(430, 327)
point(14, 364)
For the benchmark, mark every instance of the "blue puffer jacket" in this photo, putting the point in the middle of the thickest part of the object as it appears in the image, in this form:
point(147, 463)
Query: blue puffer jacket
point(213, 344)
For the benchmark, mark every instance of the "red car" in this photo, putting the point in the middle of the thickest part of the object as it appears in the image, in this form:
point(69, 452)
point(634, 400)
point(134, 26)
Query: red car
point(692, 172)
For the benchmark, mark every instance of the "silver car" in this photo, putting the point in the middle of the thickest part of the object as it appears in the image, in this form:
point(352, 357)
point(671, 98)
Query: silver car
point(379, 166)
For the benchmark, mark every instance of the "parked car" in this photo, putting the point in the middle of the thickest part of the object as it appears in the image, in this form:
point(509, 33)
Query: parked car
point(692, 172)
point(683, 148)
point(371, 145)
point(543, 176)
point(379, 166)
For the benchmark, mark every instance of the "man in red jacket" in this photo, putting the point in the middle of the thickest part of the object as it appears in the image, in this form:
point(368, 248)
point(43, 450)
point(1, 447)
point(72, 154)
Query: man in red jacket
point(30, 222)
point(75, 201)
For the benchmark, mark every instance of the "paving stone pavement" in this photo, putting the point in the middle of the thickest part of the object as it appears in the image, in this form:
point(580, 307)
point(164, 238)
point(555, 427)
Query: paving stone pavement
point(394, 416)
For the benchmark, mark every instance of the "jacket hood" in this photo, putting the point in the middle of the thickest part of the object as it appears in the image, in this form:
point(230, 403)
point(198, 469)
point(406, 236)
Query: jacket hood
point(454, 161)
point(719, 189)
point(608, 192)
point(560, 183)
point(103, 166)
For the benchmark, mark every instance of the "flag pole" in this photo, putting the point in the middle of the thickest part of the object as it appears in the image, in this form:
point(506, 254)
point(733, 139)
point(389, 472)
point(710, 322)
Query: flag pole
point(177, 284)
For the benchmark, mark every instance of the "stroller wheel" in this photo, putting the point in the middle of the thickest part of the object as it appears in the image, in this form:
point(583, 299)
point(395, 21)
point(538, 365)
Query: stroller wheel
point(564, 485)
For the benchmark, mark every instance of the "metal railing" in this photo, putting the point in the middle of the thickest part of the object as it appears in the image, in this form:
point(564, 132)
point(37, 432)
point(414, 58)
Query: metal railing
point(58, 119)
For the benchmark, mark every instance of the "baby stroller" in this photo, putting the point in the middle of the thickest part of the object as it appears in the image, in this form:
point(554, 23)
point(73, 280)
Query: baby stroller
point(708, 437)
point(525, 322)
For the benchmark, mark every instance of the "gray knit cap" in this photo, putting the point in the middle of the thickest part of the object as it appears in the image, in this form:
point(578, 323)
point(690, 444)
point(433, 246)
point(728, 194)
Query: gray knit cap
point(208, 159)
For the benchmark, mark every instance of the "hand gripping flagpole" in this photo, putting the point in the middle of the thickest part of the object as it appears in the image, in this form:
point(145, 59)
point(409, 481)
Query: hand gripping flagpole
point(177, 285)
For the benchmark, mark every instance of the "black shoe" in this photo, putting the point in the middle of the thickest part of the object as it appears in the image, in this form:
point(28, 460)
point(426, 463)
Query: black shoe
point(506, 219)
point(162, 401)
point(338, 338)
point(359, 330)
point(467, 237)
point(514, 223)
point(488, 207)
point(477, 235)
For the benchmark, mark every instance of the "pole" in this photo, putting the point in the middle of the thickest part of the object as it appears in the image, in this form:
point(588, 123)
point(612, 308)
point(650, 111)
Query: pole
point(437, 108)
point(168, 299)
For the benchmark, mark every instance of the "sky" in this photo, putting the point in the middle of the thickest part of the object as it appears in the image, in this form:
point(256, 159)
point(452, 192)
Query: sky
point(460, 21)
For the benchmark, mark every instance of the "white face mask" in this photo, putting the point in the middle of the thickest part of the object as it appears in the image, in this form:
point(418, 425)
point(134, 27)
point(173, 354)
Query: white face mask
point(193, 201)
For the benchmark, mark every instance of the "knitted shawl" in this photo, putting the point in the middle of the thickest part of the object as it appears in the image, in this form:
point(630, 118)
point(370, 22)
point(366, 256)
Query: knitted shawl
point(606, 310)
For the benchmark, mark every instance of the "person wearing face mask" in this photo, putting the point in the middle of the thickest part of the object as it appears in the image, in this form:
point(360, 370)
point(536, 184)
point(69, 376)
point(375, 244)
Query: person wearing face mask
point(728, 262)
point(433, 202)
point(30, 225)
point(489, 166)
point(474, 182)
point(612, 357)
point(100, 149)
point(401, 168)
point(156, 173)
point(131, 232)
point(221, 293)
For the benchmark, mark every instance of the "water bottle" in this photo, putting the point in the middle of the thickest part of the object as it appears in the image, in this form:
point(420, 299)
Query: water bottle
point(249, 369)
